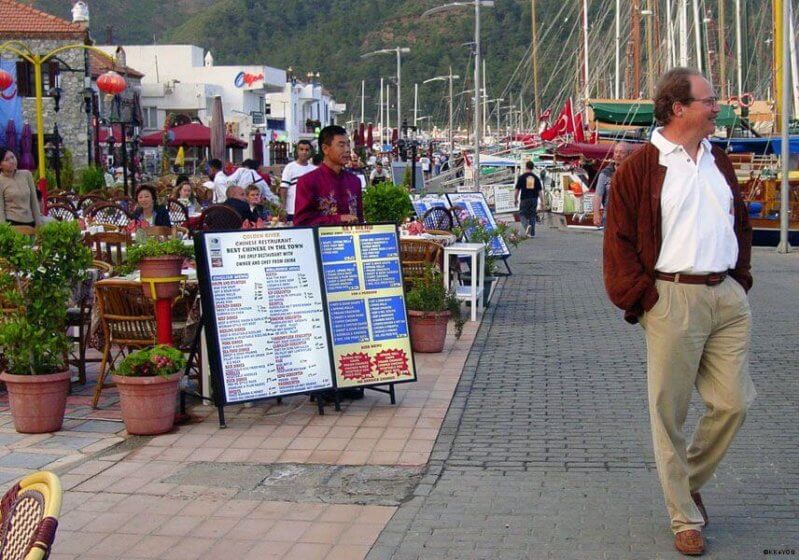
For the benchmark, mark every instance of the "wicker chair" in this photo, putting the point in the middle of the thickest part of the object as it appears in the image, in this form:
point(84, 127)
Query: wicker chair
point(125, 202)
point(178, 213)
point(72, 198)
point(109, 213)
point(88, 201)
point(25, 230)
point(29, 512)
point(62, 212)
point(220, 217)
point(128, 321)
point(107, 246)
point(437, 218)
point(415, 255)
point(161, 232)
point(60, 199)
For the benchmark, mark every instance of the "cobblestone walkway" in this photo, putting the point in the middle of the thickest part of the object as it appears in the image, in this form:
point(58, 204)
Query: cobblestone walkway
point(546, 452)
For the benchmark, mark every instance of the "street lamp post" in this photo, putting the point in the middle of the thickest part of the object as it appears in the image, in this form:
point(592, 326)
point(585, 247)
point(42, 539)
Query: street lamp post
point(449, 77)
point(399, 51)
point(477, 54)
point(37, 60)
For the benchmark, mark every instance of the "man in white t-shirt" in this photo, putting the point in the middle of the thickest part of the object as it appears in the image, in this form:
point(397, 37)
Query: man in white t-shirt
point(247, 175)
point(221, 181)
point(292, 172)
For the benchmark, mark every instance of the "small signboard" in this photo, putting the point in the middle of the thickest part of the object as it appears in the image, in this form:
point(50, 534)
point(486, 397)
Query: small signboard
point(264, 313)
point(474, 205)
point(369, 331)
point(504, 196)
point(398, 170)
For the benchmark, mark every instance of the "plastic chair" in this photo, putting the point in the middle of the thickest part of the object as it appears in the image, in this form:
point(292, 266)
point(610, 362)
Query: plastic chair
point(128, 321)
point(29, 513)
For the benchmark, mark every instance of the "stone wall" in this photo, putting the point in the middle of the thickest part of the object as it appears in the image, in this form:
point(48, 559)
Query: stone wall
point(71, 119)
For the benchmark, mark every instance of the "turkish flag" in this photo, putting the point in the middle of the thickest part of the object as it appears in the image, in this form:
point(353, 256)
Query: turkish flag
point(579, 132)
point(563, 125)
point(545, 115)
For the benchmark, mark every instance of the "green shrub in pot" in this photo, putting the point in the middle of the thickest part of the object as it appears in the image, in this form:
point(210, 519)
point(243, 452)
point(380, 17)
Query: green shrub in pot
point(386, 202)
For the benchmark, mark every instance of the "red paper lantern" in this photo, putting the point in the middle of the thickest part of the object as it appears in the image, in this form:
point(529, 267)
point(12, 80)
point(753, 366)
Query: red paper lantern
point(111, 83)
point(6, 80)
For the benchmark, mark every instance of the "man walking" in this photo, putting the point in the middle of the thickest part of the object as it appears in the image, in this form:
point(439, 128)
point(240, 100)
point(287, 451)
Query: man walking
point(620, 151)
point(291, 174)
point(528, 187)
point(676, 259)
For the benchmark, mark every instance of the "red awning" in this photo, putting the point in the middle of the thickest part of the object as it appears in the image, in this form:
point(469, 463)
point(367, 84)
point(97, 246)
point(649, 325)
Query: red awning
point(590, 151)
point(190, 135)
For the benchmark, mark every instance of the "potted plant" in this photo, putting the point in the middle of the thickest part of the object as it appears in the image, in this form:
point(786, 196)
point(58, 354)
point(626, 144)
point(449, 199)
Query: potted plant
point(430, 307)
point(386, 202)
point(158, 259)
point(148, 387)
point(36, 280)
point(480, 231)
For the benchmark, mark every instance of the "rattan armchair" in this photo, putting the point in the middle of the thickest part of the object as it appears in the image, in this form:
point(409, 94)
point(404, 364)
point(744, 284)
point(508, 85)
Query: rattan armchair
point(128, 322)
point(415, 256)
point(29, 514)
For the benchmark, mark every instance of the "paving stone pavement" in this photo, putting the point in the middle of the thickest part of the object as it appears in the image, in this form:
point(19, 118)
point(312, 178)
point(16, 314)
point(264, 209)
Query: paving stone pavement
point(545, 451)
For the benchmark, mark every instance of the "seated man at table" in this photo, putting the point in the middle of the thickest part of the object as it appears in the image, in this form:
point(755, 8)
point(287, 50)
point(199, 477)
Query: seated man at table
point(237, 199)
point(329, 195)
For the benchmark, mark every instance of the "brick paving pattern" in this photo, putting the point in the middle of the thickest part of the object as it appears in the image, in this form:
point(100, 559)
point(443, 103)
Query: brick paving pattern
point(546, 451)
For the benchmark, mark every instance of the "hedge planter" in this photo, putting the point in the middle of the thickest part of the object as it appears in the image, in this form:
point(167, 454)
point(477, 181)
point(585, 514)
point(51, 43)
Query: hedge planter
point(428, 330)
point(37, 402)
point(148, 403)
point(168, 266)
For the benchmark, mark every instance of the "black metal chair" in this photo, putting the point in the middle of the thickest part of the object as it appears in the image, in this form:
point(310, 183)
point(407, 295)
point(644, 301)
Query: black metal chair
point(220, 217)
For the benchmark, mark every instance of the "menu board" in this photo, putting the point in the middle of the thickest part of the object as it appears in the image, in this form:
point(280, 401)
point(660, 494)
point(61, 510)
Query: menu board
point(264, 313)
point(474, 205)
point(425, 203)
point(505, 198)
point(366, 305)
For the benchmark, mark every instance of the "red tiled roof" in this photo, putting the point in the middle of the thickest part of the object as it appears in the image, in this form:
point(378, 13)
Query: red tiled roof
point(20, 19)
point(100, 65)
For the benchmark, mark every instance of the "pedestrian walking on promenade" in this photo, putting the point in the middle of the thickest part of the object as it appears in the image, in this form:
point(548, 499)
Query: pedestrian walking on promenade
point(677, 260)
point(601, 195)
point(528, 188)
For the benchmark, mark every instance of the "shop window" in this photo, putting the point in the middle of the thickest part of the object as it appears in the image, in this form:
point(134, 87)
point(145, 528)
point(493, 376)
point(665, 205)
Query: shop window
point(26, 80)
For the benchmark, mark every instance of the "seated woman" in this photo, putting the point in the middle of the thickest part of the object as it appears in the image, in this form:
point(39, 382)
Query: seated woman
point(147, 211)
point(185, 195)
point(18, 203)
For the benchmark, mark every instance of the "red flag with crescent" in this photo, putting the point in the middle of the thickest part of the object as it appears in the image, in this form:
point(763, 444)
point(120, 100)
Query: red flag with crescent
point(564, 124)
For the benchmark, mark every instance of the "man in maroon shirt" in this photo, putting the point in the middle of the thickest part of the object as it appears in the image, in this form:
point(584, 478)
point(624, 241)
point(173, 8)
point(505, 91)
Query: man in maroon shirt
point(329, 195)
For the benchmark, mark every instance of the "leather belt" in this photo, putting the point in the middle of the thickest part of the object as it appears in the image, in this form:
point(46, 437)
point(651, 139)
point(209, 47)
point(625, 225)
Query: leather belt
point(713, 279)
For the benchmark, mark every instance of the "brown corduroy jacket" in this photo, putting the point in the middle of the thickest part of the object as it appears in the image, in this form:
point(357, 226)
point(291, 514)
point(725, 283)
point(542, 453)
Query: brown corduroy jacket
point(633, 235)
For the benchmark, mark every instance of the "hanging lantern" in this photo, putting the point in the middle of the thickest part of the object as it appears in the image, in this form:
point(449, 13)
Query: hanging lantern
point(111, 83)
point(6, 80)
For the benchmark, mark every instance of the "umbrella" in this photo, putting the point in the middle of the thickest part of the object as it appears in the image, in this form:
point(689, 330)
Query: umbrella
point(369, 137)
point(394, 135)
point(361, 136)
point(217, 130)
point(26, 158)
point(192, 135)
point(180, 158)
point(11, 136)
point(258, 148)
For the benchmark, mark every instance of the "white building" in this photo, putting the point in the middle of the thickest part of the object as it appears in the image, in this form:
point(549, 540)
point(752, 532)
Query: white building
point(183, 80)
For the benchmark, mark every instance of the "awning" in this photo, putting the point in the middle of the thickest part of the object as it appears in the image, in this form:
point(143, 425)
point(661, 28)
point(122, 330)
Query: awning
point(591, 151)
point(641, 113)
point(190, 135)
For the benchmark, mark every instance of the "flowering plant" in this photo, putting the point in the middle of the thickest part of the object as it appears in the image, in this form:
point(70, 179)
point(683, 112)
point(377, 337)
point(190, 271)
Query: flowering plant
point(161, 360)
point(36, 280)
point(480, 230)
point(415, 228)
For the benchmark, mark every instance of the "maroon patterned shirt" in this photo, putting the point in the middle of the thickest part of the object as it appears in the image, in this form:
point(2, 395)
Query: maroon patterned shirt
point(323, 196)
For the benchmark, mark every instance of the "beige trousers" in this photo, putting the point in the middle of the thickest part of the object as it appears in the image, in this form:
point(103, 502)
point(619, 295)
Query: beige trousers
point(696, 336)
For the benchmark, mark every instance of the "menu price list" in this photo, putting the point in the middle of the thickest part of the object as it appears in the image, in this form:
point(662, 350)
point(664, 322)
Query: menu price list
point(270, 316)
point(475, 206)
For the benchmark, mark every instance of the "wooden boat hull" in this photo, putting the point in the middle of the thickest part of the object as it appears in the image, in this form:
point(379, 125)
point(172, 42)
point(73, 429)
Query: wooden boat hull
point(766, 233)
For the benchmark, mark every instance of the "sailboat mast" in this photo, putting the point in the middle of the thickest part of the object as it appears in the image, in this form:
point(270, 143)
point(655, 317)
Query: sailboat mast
point(635, 37)
point(650, 51)
point(779, 68)
point(587, 92)
point(738, 50)
point(697, 34)
point(382, 140)
point(794, 65)
point(683, 9)
point(534, 57)
point(618, 48)
point(669, 37)
point(722, 51)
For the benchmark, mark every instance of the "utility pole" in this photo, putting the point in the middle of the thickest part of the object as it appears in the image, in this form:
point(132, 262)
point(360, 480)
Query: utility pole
point(382, 128)
point(363, 99)
point(415, 103)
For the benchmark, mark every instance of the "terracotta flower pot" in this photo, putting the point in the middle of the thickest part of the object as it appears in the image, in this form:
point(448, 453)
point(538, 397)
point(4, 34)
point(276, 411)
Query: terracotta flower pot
point(148, 403)
point(168, 266)
point(37, 402)
point(428, 330)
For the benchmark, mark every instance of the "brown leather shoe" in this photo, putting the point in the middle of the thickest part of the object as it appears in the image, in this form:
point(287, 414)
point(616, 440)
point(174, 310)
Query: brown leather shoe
point(698, 501)
point(690, 542)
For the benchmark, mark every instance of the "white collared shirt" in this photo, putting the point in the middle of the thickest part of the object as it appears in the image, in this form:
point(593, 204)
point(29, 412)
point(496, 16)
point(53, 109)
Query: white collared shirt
point(697, 212)
point(221, 183)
